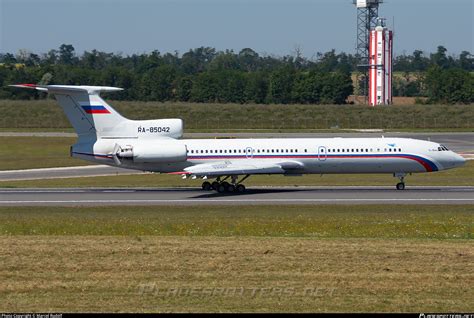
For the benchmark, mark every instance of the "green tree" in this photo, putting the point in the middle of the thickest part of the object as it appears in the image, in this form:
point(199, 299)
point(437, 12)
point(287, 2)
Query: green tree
point(449, 86)
point(281, 85)
point(66, 54)
point(158, 84)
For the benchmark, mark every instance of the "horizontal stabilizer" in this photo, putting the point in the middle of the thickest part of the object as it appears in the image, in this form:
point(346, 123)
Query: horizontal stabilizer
point(69, 88)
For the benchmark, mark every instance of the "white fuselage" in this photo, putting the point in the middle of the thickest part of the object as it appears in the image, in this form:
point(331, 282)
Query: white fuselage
point(320, 156)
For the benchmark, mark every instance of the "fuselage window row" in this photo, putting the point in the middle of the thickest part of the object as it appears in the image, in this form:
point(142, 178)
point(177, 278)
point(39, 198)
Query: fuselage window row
point(355, 150)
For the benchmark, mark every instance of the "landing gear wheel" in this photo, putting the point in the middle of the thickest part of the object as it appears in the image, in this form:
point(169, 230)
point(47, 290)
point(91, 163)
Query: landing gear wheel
point(215, 185)
point(231, 188)
point(206, 186)
point(225, 184)
point(221, 188)
point(400, 186)
point(240, 188)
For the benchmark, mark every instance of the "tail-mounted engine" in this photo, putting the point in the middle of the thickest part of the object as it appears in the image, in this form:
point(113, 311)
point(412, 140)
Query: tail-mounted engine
point(150, 152)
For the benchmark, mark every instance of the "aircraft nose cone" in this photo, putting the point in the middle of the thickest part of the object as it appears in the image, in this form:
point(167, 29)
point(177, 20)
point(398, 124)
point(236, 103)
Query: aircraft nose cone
point(459, 160)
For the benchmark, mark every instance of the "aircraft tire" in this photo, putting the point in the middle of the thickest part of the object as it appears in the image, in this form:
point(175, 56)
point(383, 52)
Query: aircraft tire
point(231, 188)
point(215, 185)
point(221, 188)
point(206, 186)
point(240, 188)
point(400, 186)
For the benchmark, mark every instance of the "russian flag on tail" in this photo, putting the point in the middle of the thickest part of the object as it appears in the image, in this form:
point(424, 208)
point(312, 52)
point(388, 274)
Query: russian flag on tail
point(95, 109)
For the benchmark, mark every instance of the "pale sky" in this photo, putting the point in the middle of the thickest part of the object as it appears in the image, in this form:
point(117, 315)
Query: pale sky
point(268, 26)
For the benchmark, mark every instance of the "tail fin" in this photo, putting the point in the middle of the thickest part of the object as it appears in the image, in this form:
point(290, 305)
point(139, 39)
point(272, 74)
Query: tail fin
point(88, 113)
point(93, 118)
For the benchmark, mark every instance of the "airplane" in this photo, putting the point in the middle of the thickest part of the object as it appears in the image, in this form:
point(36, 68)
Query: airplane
point(105, 137)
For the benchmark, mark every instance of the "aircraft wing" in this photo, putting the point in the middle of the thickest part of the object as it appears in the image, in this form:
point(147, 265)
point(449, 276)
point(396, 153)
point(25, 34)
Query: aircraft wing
point(242, 167)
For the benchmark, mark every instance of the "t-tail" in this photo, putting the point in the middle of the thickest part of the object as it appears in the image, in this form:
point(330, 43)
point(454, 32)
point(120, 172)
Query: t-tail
point(92, 118)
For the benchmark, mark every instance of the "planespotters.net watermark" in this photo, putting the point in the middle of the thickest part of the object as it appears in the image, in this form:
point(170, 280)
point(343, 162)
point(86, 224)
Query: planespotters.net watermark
point(157, 291)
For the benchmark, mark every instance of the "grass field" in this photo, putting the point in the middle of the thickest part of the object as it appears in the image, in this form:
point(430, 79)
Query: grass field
point(221, 117)
point(256, 259)
point(36, 152)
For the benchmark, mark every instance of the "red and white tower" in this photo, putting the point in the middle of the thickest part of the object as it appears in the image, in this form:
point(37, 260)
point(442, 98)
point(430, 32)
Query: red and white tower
point(380, 65)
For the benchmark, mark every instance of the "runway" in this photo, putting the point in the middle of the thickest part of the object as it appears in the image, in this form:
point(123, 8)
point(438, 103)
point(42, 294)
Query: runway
point(254, 196)
point(65, 172)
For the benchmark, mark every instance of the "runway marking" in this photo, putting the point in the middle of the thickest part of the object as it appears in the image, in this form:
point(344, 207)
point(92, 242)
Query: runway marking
point(225, 200)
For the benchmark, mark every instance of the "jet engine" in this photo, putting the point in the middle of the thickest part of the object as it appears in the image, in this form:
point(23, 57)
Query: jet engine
point(150, 152)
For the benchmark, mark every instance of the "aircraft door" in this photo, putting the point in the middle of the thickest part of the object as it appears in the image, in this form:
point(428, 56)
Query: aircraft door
point(322, 153)
point(249, 152)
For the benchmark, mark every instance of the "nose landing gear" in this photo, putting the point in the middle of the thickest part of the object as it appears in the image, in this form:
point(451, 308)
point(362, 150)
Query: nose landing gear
point(401, 176)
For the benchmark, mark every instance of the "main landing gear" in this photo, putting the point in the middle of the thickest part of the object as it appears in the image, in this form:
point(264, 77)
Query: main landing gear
point(401, 184)
point(223, 186)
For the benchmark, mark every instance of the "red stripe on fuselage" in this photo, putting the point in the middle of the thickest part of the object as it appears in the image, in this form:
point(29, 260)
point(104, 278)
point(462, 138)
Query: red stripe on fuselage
point(419, 160)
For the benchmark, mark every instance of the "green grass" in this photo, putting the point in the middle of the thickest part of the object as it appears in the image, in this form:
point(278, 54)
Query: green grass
point(222, 117)
point(334, 221)
point(36, 152)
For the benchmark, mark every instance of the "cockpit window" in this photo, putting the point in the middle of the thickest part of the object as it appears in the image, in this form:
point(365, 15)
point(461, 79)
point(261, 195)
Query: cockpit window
point(443, 148)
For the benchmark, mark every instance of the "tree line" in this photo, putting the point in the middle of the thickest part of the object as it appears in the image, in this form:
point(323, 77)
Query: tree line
point(207, 75)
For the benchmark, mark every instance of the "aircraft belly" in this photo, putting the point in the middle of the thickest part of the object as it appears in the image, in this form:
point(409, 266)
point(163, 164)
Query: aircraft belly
point(316, 166)
point(368, 165)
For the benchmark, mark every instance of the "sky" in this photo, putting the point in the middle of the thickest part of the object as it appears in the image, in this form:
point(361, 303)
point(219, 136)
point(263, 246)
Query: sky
point(271, 27)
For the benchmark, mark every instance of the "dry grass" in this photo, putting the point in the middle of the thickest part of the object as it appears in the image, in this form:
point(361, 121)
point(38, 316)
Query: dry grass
point(251, 259)
point(91, 274)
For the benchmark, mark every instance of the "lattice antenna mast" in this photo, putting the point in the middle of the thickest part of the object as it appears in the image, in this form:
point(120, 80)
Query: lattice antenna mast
point(367, 14)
